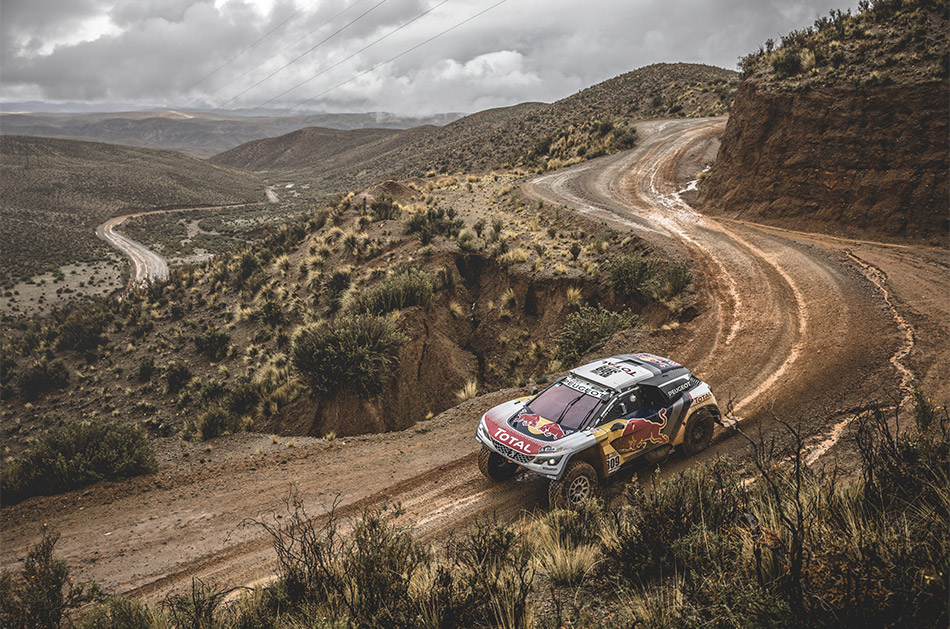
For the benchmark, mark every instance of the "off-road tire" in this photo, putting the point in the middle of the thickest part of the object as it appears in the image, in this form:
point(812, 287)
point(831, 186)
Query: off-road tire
point(494, 467)
point(698, 432)
point(577, 486)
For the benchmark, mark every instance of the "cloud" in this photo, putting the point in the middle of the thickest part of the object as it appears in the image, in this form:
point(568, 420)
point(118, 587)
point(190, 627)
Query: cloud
point(153, 52)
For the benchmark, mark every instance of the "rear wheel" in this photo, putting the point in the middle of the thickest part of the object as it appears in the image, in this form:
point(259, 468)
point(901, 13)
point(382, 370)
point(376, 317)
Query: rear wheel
point(578, 485)
point(699, 432)
point(494, 466)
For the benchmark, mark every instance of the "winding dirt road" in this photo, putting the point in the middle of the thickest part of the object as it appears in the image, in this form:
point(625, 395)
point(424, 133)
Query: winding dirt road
point(793, 325)
point(147, 266)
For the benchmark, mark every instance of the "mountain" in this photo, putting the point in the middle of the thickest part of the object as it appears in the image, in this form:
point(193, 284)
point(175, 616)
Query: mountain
point(843, 127)
point(55, 192)
point(201, 134)
point(503, 136)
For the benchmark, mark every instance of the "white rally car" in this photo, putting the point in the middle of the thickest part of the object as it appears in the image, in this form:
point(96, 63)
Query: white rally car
point(588, 424)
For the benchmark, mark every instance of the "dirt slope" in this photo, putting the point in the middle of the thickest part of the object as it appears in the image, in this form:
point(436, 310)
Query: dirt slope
point(843, 128)
point(794, 324)
point(850, 160)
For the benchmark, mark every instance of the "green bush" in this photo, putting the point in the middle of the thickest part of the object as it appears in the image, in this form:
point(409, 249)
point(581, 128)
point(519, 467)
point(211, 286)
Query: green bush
point(588, 329)
point(145, 370)
point(213, 343)
point(333, 287)
point(213, 422)
point(84, 330)
point(409, 288)
point(75, 455)
point(41, 595)
point(42, 377)
point(634, 278)
point(177, 375)
point(385, 209)
point(357, 353)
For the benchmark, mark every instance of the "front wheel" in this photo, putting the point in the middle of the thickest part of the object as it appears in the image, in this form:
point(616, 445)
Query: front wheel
point(494, 466)
point(699, 432)
point(576, 487)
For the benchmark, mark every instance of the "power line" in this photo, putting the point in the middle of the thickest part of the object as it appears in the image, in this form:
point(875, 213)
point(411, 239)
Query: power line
point(342, 61)
point(226, 63)
point(304, 54)
point(281, 51)
point(405, 52)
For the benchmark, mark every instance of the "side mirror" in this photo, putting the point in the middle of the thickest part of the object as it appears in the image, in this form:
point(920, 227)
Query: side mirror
point(534, 390)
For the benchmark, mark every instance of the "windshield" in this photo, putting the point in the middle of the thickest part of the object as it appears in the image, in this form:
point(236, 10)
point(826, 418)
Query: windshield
point(567, 407)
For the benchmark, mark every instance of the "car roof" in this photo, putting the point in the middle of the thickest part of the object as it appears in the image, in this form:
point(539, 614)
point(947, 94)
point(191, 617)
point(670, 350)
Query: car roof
point(622, 371)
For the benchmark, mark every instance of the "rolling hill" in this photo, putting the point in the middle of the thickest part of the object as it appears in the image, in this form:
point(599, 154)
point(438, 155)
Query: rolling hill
point(496, 137)
point(201, 134)
point(55, 192)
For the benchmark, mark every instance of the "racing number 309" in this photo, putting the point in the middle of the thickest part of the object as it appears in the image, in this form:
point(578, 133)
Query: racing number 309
point(613, 462)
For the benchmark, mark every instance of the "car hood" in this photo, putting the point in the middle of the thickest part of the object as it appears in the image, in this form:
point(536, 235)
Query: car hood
point(514, 425)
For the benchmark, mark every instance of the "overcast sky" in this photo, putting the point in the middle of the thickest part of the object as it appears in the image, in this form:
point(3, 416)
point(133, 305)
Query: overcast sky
point(194, 53)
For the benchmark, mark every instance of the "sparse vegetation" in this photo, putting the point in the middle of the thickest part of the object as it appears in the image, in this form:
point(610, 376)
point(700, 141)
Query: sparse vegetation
point(587, 329)
point(356, 353)
point(77, 454)
point(402, 290)
point(41, 377)
point(634, 278)
point(883, 42)
point(780, 546)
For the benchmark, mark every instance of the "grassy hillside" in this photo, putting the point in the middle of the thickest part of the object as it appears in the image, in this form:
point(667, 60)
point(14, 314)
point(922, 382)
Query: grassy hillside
point(885, 42)
point(55, 192)
point(592, 122)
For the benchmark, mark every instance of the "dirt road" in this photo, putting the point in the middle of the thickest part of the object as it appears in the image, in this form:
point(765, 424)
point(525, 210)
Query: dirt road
point(795, 325)
point(146, 264)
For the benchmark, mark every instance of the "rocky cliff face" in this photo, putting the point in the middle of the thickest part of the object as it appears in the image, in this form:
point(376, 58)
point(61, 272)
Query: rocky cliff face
point(857, 160)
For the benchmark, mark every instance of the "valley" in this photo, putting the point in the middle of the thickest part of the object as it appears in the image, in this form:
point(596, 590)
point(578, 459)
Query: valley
point(777, 335)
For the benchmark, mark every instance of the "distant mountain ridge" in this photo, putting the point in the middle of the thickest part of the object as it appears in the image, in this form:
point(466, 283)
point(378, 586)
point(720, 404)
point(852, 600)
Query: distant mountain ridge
point(200, 134)
point(495, 137)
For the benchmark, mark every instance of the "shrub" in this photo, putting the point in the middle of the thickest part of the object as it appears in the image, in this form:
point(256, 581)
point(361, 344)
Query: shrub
point(84, 330)
point(177, 375)
point(334, 286)
point(213, 343)
point(357, 353)
point(75, 455)
point(42, 594)
point(633, 278)
point(42, 377)
point(588, 329)
point(409, 288)
point(385, 209)
point(145, 370)
point(678, 278)
point(213, 422)
point(786, 63)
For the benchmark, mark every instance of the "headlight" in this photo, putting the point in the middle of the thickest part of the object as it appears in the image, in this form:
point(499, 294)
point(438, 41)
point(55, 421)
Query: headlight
point(549, 449)
point(554, 460)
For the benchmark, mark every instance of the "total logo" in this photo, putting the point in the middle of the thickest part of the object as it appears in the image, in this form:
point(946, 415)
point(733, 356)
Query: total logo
point(537, 425)
point(513, 441)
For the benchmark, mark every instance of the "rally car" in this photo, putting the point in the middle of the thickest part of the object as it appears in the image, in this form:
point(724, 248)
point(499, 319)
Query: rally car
point(585, 426)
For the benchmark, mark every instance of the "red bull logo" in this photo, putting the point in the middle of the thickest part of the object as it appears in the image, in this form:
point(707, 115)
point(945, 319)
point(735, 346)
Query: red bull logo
point(637, 433)
point(537, 425)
